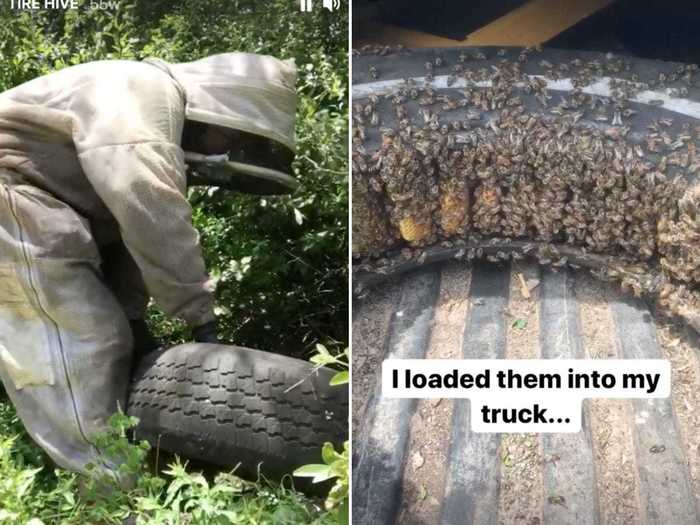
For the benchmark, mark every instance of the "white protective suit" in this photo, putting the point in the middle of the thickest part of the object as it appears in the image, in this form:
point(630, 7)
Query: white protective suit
point(90, 157)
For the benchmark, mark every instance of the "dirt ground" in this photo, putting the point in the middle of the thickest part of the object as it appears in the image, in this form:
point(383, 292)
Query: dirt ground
point(681, 348)
point(610, 418)
point(424, 475)
point(369, 333)
point(522, 492)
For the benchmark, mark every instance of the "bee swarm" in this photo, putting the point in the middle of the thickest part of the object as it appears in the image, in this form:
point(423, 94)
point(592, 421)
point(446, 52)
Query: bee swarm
point(504, 159)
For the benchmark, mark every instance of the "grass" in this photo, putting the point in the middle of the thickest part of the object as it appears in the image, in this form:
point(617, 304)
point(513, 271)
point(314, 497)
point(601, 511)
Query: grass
point(33, 491)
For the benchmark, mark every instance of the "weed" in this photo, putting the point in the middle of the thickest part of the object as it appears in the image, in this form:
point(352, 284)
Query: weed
point(335, 464)
point(31, 492)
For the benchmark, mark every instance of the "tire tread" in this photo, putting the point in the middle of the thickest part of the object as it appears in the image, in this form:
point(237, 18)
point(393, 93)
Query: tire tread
point(229, 405)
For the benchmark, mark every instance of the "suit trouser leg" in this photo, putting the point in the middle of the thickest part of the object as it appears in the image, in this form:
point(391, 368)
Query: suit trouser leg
point(65, 343)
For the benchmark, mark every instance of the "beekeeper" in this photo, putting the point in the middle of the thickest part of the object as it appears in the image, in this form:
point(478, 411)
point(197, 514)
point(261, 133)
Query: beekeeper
point(94, 161)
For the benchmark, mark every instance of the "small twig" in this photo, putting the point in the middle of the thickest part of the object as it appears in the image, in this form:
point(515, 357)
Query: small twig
point(313, 371)
point(523, 286)
point(157, 453)
point(318, 166)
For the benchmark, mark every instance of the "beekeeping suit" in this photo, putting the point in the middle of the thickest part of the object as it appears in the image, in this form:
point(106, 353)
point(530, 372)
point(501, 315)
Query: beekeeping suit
point(94, 221)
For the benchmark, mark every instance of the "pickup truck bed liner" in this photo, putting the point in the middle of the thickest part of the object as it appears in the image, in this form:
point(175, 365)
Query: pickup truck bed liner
point(418, 462)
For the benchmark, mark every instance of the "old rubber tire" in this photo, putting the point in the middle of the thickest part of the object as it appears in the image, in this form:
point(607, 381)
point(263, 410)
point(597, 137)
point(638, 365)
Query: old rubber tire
point(236, 407)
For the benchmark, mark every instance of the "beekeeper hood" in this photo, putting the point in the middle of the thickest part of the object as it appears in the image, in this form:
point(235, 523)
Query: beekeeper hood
point(253, 95)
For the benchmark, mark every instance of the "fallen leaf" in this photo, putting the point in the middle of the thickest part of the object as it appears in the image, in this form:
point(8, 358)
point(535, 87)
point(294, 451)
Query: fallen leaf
point(520, 324)
point(557, 500)
point(423, 493)
point(417, 460)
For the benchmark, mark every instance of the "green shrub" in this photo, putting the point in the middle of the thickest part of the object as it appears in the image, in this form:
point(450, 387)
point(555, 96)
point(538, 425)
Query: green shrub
point(336, 465)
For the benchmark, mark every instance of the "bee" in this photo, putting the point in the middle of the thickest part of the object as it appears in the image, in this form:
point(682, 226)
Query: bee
point(397, 99)
point(679, 92)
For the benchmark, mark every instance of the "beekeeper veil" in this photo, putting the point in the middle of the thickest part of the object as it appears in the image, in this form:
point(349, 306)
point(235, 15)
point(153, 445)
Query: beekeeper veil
point(249, 102)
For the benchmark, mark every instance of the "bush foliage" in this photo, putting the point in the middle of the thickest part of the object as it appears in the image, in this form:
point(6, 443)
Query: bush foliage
point(280, 262)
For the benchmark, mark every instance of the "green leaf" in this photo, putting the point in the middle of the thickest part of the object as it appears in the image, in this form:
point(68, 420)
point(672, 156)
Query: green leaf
point(322, 350)
point(319, 473)
point(519, 324)
point(328, 453)
point(341, 378)
point(70, 498)
point(298, 217)
point(322, 360)
point(344, 513)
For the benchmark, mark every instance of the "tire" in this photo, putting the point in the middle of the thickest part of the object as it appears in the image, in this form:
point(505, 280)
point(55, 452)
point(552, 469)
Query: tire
point(235, 407)
point(664, 101)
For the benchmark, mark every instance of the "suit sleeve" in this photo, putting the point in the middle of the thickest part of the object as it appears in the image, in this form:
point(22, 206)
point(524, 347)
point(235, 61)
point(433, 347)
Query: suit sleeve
point(127, 128)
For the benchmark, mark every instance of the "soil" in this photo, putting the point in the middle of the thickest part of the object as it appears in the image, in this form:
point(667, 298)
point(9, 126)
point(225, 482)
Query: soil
point(610, 418)
point(522, 488)
point(424, 475)
point(369, 332)
point(680, 347)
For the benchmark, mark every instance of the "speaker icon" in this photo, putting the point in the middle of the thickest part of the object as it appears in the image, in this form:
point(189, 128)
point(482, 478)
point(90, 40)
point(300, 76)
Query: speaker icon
point(331, 5)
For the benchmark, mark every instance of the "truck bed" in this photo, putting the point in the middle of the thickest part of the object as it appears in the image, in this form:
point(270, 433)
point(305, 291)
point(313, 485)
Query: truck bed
point(417, 462)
